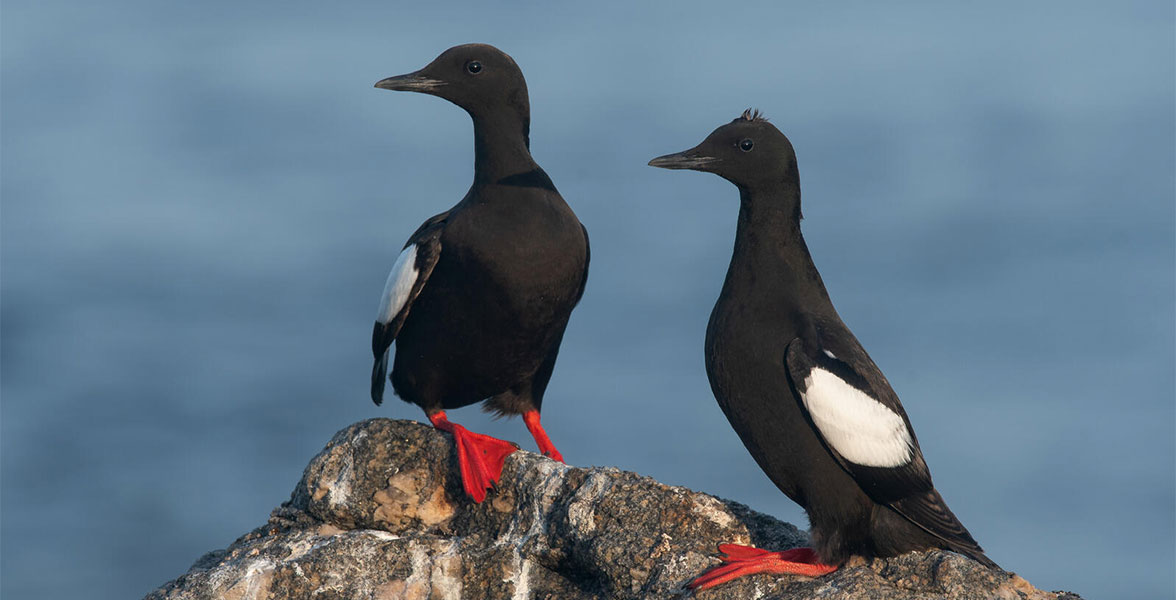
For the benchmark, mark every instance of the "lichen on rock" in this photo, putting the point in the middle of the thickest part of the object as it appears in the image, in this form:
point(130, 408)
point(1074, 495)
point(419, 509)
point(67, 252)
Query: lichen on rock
point(380, 513)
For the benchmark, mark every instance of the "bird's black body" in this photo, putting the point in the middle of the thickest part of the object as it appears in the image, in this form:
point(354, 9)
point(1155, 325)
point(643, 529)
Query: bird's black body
point(774, 338)
point(490, 321)
point(496, 276)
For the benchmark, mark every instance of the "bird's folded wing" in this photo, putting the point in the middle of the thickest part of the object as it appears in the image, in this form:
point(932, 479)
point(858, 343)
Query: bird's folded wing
point(408, 277)
point(858, 415)
point(929, 511)
point(860, 419)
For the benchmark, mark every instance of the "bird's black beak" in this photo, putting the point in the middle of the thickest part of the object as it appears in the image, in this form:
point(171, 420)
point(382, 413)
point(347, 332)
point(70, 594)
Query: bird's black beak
point(689, 159)
point(412, 82)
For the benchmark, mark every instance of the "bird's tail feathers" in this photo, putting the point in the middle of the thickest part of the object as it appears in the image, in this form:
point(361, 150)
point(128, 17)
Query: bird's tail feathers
point(929, 511)
point(379, 374)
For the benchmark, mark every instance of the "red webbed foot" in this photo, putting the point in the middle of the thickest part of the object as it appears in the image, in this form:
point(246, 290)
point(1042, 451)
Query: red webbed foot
point(746, 560)
point(531, 418)
point(480, 456)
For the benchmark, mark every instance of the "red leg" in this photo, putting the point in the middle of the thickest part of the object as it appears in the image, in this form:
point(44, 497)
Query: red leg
point(745, 560)
point(479, 456)
point(531, 418)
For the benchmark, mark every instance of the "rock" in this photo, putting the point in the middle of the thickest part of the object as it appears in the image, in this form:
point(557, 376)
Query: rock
point(380, 513)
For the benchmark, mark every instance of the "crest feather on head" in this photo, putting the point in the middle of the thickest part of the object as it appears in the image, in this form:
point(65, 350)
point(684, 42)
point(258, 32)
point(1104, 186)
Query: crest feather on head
point(752, 114)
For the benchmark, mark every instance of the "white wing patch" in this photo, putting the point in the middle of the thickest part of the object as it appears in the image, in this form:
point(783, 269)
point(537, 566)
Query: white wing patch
point(858, 427)
point(399, 286)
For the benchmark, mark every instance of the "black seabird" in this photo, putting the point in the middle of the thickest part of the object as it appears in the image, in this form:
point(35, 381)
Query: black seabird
point(478, 300)
point(810, 405)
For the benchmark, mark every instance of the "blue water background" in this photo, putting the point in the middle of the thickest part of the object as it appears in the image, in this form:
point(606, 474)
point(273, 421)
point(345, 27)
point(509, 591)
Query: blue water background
point(200, 202)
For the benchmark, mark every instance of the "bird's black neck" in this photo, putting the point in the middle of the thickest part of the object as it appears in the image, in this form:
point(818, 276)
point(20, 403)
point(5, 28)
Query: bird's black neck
point(771, 260)
point(501, 147)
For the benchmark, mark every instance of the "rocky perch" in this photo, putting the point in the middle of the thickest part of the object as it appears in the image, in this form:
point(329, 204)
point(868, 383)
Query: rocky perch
point(380, 513)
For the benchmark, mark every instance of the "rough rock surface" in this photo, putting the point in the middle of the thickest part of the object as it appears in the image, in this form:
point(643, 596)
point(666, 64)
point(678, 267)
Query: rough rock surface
point(380, 513)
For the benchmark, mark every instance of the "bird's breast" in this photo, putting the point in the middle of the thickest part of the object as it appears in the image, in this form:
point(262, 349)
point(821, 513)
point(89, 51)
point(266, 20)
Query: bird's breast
point(746, 339)
point(528, 256)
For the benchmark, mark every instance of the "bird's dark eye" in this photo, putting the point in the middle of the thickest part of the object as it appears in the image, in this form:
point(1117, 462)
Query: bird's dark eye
point(474, 67)
point(746, 145)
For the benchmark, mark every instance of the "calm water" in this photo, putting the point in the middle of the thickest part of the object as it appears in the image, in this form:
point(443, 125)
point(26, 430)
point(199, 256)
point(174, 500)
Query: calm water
point(201, 202)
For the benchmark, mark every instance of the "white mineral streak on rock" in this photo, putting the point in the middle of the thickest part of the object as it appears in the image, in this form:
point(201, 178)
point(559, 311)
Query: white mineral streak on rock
point(545, 479)
point(445, 575)
point(252, 584)
point(383, 535)
point(582, 509)
point(417, 585)
point(712, 509)
point(340, 489)
point(759, 592)
point(522, 580)
point(301, 547)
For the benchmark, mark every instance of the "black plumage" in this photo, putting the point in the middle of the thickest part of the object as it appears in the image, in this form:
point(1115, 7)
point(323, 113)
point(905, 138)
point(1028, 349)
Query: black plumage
point(480, 298)
point(809, 404)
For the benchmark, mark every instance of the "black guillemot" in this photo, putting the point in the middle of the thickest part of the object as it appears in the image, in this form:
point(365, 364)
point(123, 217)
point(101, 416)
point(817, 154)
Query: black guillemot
point(809, 404)
point(478, 301)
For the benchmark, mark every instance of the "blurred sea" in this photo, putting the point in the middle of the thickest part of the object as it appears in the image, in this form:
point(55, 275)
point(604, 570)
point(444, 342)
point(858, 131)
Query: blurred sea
point(201, 201)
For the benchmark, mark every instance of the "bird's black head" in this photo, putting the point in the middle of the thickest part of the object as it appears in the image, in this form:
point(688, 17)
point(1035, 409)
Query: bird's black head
point(749, 152)
point(477, 77)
